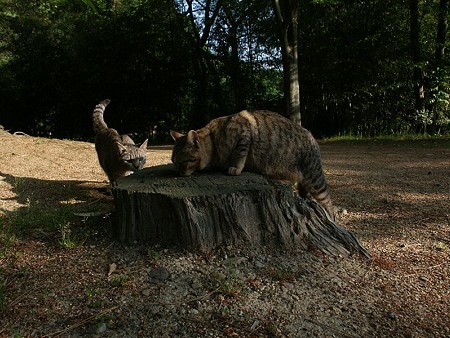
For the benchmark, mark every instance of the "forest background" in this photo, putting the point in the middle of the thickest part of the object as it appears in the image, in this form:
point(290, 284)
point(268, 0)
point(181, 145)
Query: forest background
point(365, 68)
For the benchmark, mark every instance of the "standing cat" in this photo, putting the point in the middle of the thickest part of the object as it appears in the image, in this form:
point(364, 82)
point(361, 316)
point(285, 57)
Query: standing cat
point(262, 142)
point(117, 154)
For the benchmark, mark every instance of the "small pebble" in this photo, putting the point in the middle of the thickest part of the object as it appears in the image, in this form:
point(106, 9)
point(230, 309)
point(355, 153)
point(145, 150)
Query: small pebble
point(159, 274)
point(194, 311)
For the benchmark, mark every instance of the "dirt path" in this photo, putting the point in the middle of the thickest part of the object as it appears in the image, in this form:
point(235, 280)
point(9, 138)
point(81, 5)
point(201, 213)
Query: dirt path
point(54, 266)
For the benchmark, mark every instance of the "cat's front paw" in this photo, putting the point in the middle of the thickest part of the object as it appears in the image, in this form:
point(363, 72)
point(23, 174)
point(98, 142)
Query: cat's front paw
point(234, 171)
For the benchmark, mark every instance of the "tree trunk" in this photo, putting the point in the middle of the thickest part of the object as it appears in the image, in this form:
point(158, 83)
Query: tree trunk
point(234, 63)
point(209, 210)
point(418, 79)
point(441, 31)
point(286, 13)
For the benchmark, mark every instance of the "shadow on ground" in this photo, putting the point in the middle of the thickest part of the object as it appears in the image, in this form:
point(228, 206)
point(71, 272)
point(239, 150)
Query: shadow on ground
point(50, 210)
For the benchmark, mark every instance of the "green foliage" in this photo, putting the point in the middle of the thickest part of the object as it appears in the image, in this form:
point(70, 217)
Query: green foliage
point(35, 215)
point(357, 79)
point(61, 57)
point(118, 280)
point(440, 246)
point(58, 58)
point(438, 97)
point(228, 284)
point(6, 236)
point(66, 238)
point(282, 274)
point(136, 57)
point(17, 333)
point(92, 299)
point(90, 4)
point(154, 255)
point(389, 137)
point(37, 218)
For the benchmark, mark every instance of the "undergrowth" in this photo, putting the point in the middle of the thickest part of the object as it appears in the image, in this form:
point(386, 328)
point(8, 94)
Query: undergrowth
point(390, 137)
point(36, 218)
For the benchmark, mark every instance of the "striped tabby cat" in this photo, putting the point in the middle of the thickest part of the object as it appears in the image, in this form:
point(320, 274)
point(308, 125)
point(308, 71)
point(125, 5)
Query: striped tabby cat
point(117, 154)
point(262, 142)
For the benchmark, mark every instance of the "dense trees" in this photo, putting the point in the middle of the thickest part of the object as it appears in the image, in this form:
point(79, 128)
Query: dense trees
point(362, 67)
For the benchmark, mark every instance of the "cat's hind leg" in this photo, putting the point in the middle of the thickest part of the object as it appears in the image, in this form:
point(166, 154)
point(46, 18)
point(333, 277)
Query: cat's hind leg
point(319, 191)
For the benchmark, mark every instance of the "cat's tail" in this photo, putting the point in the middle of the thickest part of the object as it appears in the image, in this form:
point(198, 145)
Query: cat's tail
point(97, 116)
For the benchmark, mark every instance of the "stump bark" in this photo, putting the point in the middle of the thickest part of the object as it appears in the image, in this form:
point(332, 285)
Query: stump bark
point(209, 209)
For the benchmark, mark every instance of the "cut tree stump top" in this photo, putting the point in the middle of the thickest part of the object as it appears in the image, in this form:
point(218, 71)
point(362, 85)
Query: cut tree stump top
point(165, 180)
point(211, 209)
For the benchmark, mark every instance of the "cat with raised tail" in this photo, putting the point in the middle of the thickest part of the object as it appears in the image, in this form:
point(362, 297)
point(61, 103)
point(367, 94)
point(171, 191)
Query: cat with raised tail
point(118, 154)
point(262, 142)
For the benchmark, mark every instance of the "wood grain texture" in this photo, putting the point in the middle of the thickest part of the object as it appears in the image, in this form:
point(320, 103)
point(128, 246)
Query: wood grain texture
point(210, 209)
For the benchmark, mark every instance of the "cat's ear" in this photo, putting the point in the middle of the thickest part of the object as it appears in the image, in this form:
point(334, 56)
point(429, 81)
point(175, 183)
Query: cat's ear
point(192, 138)
point(175, 135)
point(143, 146)
point(122, 148)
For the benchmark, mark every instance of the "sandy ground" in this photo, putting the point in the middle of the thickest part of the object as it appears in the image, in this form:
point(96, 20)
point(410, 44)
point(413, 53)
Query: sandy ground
point(74, 280)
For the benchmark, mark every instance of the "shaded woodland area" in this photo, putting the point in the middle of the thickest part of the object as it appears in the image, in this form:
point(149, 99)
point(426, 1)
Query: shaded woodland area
point(363, 68)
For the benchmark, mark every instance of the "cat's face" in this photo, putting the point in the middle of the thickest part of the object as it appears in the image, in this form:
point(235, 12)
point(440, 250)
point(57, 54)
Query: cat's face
point(186, 154)
point(133, 156)
point(134, 163)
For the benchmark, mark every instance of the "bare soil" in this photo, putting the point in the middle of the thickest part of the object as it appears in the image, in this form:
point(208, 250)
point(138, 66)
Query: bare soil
point(72, 279)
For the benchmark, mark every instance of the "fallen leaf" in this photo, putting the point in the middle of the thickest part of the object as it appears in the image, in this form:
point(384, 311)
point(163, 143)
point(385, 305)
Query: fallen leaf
point(112, 268)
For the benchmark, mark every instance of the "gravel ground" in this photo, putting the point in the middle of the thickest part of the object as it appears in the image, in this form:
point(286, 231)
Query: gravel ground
point(76, 281)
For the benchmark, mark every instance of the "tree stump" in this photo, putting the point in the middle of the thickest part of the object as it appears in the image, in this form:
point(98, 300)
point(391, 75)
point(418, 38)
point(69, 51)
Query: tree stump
point(210, 209)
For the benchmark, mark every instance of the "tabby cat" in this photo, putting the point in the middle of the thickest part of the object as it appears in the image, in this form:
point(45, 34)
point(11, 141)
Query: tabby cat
point(262, 142)
point(117, 154)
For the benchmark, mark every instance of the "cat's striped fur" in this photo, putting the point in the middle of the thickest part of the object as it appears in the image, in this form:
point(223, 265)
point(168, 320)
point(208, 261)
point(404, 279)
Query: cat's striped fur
point(117, 154)
point(262, 142)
